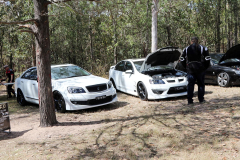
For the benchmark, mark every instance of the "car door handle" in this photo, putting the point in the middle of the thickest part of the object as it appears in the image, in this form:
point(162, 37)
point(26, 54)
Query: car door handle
point(21, 81)
point(33, 84)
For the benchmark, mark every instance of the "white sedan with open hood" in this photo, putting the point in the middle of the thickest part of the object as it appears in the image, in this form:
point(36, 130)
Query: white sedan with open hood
point(151, 78)
point(73, 88)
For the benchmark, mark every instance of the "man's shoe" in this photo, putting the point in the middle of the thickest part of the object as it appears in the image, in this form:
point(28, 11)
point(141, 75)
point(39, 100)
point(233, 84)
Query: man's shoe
point(202, 101)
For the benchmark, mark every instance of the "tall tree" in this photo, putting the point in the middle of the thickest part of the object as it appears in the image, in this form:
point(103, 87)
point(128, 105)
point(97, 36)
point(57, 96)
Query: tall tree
point(154, 25)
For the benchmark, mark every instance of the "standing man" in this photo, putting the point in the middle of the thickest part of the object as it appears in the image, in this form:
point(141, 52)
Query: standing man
point(196, 60)
point(10, 77)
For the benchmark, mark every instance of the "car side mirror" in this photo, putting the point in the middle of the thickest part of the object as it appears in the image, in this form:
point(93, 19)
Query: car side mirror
point(129, 72)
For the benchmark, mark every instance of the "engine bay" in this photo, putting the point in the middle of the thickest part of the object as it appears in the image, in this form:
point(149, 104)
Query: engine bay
point(165, 74)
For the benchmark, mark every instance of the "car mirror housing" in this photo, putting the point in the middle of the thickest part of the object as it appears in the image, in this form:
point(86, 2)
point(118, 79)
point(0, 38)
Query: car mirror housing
point(129, 72)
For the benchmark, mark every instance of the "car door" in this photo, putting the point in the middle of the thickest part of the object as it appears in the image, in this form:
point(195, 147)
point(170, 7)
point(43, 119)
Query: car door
point(128, 82)
point(119, 69)
point(209, 73)
point(29, 85)
point(34, 84)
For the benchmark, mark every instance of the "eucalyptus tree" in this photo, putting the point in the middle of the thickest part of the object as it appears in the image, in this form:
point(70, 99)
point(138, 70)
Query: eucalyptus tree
point(154, 25)
point(40, 29)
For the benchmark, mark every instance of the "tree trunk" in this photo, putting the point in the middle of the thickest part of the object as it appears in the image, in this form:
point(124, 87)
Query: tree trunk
point(235, 11)
point(115, 42)
point(41, 30)
point(145, 52)
point(169, 43)
point(218, 26)
point(33, 53)
point(154, 25)
point(1, 47)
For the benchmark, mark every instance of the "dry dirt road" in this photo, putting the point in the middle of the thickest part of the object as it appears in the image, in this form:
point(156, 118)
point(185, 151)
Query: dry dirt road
point(131, 129)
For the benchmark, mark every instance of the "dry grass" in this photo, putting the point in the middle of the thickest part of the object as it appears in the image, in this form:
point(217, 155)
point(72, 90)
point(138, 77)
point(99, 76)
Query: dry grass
point(131, 129)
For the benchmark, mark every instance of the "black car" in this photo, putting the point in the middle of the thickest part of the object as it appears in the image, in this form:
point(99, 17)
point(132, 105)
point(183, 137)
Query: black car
point(225, 68)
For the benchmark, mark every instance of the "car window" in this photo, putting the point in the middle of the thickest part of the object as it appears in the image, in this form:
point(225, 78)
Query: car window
point(33, 75)
point(128, 66)
point(230, 60)
point(216, 57)
point(62, 72)
point(120, 66)
point(138, 65)
point(30, 74)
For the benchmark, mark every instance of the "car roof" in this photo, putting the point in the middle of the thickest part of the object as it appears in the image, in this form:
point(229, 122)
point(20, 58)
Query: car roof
point(61, 65)
point(56, 65)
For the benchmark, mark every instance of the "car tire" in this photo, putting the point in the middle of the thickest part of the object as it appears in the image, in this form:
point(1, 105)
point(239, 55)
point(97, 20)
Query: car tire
point(114, 85)
point(223, 79)
point(20, 98)
point(59, 102)
point(142, 91)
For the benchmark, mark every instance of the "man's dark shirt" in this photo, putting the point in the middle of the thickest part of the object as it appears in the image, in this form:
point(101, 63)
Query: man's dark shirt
point(195, 53)
point(9, 73)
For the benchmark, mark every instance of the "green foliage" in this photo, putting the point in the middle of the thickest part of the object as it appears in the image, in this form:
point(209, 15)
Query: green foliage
point(91, 33)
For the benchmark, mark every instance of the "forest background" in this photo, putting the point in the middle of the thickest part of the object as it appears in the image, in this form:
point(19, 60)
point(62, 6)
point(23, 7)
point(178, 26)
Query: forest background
point(96, 35)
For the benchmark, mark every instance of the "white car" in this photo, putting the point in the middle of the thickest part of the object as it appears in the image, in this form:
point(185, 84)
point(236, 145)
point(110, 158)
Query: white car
point(153, 77)
point(73, 88)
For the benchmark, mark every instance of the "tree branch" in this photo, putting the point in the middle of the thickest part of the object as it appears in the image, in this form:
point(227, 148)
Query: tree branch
point(27, 31)
point(25, 26)
point(20, 22)
point(60, 1)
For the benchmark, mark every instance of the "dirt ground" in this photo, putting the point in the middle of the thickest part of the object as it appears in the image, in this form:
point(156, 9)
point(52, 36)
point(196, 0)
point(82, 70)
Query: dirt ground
point(130, 129)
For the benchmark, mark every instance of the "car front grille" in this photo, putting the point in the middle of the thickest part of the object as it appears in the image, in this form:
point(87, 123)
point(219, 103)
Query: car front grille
point(175, 90)
point(180, 80)
point(95, 101)
point(171, 81)
point(97, 88)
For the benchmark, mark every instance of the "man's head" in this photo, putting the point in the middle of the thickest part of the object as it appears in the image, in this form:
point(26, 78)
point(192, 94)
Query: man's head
point(194, 40)
point(6, 67)
point(194, 43)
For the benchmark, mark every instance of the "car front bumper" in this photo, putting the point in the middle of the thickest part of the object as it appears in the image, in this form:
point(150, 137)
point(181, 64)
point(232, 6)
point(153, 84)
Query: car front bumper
point(90, 100)
point(167, 91)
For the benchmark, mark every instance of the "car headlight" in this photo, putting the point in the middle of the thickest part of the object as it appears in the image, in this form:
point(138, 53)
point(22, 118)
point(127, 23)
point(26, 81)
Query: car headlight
point(110, 84)
point(156, 81)
point(75, 90)
point(237, 72)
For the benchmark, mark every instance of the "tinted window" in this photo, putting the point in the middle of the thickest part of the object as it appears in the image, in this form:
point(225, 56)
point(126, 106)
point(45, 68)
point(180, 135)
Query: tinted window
point(128, 66)
point(30, 74)
point(120, 66)
point(33, 74)
point(68, 72)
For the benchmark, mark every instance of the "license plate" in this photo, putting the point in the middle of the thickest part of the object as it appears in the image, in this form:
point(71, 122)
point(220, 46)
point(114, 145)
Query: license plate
point(179, 88)
point(100, 97)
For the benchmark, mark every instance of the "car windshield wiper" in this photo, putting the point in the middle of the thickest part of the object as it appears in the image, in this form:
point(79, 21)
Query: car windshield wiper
point(77, 76)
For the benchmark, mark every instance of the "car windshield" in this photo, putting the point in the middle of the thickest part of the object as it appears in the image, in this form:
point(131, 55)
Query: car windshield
point(161, 67)
point(138, 65)
point(216, 58)
point(68, 72)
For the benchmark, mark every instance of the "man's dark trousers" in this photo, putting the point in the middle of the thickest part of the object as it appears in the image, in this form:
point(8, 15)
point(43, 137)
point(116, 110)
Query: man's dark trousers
point(201, 86)
point(10, 90)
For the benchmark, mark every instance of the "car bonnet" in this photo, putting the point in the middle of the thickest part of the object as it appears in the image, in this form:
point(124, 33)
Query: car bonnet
point(162, 56)
point(233, 52)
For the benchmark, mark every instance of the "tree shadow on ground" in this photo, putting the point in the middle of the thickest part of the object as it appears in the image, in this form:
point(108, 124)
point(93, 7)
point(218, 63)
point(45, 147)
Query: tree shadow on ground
point(11, 135)
point(107, 107)
point(180, 127)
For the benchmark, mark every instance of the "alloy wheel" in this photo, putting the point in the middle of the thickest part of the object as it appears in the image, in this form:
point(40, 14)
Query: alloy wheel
point(223, 79)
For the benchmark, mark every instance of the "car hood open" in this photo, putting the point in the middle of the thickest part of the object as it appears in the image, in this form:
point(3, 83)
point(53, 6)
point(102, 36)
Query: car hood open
point(233, 52)
point(162, 56)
